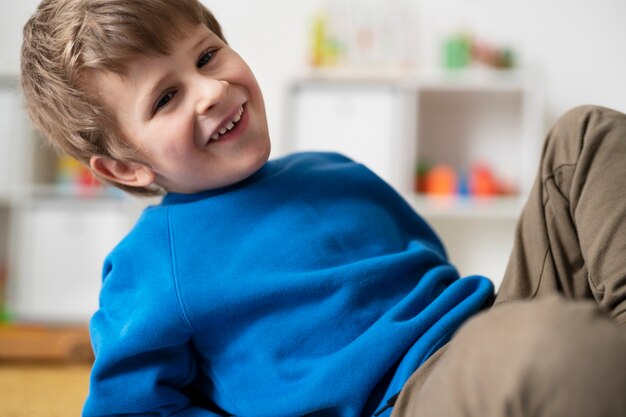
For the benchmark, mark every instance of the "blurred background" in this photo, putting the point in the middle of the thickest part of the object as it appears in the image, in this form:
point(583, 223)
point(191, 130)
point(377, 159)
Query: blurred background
point(447, 100)
point(435, 96)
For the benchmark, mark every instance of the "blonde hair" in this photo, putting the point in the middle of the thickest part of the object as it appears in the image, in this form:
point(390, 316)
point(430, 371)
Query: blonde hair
point(65, 39)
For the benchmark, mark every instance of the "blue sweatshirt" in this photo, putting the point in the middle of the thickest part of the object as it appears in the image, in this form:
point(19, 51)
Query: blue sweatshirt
point(310, 288)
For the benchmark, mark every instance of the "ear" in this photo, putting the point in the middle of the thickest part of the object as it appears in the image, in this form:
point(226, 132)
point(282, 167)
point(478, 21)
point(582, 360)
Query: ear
point(127, 173)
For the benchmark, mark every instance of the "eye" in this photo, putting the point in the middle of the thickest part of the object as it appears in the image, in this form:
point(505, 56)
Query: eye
point(163, 100)
point(205, 58)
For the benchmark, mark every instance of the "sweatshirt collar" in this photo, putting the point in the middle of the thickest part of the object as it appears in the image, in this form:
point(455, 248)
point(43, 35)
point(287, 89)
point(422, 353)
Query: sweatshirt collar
point(179, 198)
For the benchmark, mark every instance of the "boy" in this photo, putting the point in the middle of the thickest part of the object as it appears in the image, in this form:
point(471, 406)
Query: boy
point(300, 286)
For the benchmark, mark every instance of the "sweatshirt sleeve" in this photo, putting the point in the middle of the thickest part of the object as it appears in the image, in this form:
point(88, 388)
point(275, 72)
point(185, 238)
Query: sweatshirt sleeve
point(140, 336)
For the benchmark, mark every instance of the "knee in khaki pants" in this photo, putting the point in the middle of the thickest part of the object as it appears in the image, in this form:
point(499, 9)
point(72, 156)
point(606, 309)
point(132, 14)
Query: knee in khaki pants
point(547, 357)
point(571, 235)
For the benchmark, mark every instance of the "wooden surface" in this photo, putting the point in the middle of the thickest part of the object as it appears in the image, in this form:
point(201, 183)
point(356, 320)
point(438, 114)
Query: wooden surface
point(42, 390)
point(50, 343)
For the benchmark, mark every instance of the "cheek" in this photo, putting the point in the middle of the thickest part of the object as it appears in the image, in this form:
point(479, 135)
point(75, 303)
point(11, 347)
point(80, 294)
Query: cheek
point(255, 89)
point(169, 141)
point(241, 74)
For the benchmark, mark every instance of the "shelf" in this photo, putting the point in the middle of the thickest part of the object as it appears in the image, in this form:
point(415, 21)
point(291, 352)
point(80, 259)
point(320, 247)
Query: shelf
point(55, 191)
point(360, 73)
point(476, 79)
point(479, 208)
point(471, 79)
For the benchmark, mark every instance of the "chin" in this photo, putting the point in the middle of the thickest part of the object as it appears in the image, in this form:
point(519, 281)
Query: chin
point(261, 157)
point(250, 165)
point(259, 161)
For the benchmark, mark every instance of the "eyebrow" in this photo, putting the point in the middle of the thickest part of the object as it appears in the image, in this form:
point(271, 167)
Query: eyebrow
point(203, 39)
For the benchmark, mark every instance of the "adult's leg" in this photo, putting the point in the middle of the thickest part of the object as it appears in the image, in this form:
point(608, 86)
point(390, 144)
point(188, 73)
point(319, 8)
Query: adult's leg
point(571, 236)
point(549, 357)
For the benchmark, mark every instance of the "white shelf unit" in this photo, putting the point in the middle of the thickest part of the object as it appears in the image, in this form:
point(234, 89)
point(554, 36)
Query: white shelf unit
point(52, 241)
point(369, 121)
point(60, 248)
point(392, 123)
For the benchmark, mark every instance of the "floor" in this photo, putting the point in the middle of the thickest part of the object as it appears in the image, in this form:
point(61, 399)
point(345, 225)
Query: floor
point(42, 390)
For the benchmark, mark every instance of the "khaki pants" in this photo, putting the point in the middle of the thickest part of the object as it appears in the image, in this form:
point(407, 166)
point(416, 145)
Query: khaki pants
point(554, 344)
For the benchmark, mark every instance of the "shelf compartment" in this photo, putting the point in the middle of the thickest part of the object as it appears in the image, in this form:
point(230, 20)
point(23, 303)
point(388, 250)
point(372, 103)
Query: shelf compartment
point(468, 129)
point(53, 232)
point(497, 207)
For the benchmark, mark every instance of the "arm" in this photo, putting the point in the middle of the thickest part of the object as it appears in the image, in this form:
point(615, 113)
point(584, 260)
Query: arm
point(141, 338)
point(140, 377)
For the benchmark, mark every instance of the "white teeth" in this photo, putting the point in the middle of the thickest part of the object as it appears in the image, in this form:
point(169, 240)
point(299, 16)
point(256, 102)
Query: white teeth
point(238, 115)
point(229, 126)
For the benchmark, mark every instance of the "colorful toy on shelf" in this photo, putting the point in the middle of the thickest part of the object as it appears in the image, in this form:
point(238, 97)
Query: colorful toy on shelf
point(325, 48)
point(493, 56)
point(478, 181)
point(74, 176)
point(5, 317)
point(457, 51)
point(462, 50)
point(441, 180)
point(421, 170)
point(482, 182)
point(369, 34)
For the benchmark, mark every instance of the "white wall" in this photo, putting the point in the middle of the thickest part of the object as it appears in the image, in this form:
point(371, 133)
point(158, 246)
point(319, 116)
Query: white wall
point(13, 15)
point(579, 45)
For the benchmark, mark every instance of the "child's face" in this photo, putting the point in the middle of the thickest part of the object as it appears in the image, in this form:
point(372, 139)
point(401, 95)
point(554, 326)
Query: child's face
point(196, 116)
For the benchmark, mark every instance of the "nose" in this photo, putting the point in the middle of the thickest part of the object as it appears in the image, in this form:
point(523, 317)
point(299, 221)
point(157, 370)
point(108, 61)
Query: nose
point(210, 93)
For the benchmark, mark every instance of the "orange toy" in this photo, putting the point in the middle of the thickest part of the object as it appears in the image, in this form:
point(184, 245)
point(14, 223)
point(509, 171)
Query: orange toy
point(482, 182)
point(441, 180)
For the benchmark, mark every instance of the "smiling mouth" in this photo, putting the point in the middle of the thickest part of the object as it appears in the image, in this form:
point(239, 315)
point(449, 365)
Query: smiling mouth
point(229, 126)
